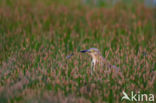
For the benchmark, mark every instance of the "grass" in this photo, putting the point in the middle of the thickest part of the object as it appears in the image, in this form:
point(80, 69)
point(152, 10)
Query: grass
point(36, 36)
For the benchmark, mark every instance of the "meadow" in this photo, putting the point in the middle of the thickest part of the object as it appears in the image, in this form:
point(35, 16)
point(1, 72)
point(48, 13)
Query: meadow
point(37, 35)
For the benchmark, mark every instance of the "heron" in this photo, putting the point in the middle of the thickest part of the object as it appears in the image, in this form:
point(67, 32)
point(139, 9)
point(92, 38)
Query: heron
point(97, 59)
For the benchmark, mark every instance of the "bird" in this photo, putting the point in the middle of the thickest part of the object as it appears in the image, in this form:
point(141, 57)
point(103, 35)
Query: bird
point(97, 59)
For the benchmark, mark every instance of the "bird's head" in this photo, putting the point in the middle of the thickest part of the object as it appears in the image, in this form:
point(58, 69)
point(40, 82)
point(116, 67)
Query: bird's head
point(93, 52)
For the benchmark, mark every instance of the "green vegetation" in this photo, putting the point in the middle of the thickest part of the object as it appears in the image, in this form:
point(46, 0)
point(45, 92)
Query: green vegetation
point(37, 35)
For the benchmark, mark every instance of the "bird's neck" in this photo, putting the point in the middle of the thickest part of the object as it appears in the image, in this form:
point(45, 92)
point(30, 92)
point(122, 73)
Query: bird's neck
point(94, 61)
point(95, 58)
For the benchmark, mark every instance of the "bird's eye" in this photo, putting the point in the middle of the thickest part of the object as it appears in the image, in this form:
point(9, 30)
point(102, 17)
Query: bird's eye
point(92, 50)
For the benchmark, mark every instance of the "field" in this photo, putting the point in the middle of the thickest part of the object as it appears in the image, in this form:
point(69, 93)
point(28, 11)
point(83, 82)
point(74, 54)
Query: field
point(37, 35)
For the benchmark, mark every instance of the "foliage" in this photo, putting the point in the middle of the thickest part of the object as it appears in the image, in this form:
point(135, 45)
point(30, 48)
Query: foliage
point(36, 36)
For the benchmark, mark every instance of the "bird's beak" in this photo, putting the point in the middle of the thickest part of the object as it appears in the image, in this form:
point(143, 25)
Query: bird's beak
point(84, 51)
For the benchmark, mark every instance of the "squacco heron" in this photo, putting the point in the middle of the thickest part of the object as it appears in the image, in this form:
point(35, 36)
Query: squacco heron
point(97, 59)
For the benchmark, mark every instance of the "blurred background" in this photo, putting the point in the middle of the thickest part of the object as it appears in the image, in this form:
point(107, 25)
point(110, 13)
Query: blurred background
point(37, 35)
point(149, 3)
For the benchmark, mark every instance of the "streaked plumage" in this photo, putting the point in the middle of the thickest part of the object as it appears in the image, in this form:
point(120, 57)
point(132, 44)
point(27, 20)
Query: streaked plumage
point(98, 59)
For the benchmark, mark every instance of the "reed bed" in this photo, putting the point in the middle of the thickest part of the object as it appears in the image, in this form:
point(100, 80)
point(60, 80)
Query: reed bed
point(36, 37)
